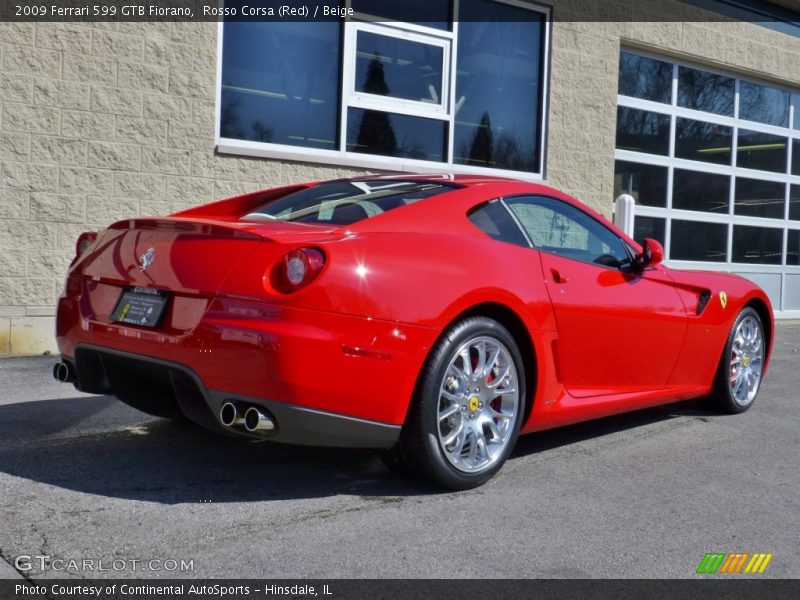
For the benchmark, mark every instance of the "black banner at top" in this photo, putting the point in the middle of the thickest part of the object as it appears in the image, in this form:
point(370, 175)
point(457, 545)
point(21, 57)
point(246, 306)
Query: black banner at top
point(423, 11)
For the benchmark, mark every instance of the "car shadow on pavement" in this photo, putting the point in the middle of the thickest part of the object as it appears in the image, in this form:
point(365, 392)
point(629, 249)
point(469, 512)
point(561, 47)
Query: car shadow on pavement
point(572, 434)
point(98, 445)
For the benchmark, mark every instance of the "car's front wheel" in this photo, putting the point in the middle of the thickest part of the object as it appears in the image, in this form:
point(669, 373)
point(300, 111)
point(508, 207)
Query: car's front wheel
point(741, 367)
point(465, 418)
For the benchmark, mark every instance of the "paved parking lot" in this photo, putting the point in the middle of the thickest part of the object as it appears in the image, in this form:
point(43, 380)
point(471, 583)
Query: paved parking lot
point(640, 495)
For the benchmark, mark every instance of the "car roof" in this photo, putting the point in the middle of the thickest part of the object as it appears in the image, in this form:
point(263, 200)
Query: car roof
point(459, 178)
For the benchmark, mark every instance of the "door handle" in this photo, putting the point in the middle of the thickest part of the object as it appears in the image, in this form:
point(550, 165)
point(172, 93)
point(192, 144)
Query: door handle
point(558, 277)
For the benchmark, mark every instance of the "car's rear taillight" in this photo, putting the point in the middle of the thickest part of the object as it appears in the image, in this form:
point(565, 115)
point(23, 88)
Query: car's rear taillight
point(298, 268)
point(85, 240)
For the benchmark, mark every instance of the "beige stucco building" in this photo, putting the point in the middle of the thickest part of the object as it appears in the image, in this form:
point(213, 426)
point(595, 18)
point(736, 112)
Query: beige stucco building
point(102, 121)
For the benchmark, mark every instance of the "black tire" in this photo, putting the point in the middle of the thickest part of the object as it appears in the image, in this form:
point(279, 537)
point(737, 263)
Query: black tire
point(722, 397)
point(419, 450)
point(393, 460)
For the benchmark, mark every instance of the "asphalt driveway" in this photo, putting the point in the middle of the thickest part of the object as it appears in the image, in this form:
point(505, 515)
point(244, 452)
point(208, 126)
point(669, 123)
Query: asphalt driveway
point(640, 495)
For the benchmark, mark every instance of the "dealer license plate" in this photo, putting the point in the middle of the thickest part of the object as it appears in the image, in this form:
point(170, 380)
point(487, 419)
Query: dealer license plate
point(140, 306)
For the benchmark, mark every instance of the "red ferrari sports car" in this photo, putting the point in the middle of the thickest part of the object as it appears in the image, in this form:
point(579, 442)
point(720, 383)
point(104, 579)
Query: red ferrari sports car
point(433, 317)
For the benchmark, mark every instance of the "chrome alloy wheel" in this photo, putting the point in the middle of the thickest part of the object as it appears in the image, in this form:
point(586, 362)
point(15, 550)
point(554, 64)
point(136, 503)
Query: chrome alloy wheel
point(746, 361)
point(478, 404)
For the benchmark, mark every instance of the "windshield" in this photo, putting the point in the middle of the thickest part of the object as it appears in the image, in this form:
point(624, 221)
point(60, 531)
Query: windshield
point(345, 202)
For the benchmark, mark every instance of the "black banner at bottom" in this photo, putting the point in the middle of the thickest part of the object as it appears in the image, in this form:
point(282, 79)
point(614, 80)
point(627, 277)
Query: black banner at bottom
point(396, 589)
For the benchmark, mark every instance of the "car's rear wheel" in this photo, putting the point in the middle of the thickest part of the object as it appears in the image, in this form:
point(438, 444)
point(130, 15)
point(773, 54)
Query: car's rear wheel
point(742, 364)
point(465, 418)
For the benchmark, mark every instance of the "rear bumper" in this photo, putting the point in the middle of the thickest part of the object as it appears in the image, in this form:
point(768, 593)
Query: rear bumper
point(326, 379)
point(106, 371)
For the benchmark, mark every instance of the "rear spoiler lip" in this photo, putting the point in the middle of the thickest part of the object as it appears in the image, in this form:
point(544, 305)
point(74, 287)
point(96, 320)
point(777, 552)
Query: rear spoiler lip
point(219, 228)
point(197, 226)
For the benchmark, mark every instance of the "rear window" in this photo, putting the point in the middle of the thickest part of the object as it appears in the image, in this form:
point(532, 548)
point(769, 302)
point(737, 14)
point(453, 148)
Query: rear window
point(496, 222)
point(345, 202)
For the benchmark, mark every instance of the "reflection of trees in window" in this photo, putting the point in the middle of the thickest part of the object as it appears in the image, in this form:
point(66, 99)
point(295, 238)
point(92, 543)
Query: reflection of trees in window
point(758, 198)
point(646, 183)
point(261, 133)
point(700, 90)
point(645, 78)
point(229, 126)
point(507, 151)
point(411, 149)
point(695, 190)
point(763, 104)
point(793, 248)
point(375, 133)
point(642, 131)
point(482, 142)
point(708, 142)
point(794, 202)
point(513, 152)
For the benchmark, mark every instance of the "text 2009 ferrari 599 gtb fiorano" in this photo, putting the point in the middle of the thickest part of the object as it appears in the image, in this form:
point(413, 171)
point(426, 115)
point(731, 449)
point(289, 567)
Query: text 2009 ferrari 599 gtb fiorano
point(434, 317)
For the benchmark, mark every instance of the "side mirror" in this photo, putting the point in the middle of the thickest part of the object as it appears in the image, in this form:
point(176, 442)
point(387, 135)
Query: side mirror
point(652, 254)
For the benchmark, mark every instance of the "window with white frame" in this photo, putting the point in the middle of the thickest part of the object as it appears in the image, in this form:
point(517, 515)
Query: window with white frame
point(453, 84)
point(713, 161)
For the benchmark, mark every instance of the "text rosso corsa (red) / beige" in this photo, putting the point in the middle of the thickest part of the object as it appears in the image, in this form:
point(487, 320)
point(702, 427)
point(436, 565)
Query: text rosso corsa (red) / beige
point(280, 11)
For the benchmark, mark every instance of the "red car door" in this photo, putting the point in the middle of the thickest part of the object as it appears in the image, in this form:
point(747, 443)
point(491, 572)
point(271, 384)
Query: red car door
point(619, 329)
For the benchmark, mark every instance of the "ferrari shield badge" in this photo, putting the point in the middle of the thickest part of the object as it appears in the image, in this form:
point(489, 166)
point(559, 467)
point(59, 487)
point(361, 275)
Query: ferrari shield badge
point(723, 299)
point(146, 259)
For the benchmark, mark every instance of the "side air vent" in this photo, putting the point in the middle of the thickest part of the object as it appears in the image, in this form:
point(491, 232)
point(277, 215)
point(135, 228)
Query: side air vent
point(702, 302)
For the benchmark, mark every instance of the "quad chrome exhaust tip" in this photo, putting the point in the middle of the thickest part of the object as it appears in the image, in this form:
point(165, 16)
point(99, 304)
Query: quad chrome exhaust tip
point(253, 419)
point(229, 415)
point(256, 421)
point(63, 372)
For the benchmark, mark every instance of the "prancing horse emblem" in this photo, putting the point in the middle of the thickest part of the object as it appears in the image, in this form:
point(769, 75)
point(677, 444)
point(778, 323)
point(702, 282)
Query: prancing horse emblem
point(147, 259)
point(723, 299)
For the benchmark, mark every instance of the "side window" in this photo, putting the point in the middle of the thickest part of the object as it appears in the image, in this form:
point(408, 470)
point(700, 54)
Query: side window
point(562, 229)
point(495, 221)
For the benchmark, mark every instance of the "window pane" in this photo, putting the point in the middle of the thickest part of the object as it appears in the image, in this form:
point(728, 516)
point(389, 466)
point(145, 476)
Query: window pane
point(267, 98)
point(649, 227)
point(761, 151)
point(642, 131)
point(562, 229)
point(691, 240)
point(645, 78)
point(756, 198)
point(707, 142)
point(388, 134)
point(793, 248)
point(796, 104)
point(345, 202)
point(421, 12)
point(700, 90)
point(498, 86)
point(646, 183)
point(390, 66)
point(794, 202)
point(763, 104)
point(701, 191)
point(796, 154)
point(496, 222)
point(761, 245)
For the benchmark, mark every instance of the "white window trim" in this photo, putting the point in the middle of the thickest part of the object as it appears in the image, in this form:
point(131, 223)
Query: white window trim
point(356, 99)
point(729, 218)
point(344, 158)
